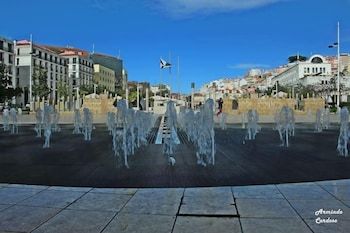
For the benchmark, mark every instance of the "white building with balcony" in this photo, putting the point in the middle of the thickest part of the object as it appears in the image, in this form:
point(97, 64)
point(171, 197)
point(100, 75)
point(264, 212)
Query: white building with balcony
point(7, 57)
point(29, 58)
point(315, 70)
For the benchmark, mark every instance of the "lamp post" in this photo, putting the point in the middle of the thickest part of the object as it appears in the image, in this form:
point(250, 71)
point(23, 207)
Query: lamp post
point(337, 45)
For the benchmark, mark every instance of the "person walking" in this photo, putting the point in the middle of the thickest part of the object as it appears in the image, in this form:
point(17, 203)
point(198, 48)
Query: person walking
point(220, 103)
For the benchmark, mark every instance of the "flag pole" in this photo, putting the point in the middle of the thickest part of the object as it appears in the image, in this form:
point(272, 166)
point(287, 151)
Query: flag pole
point(170, 74)
point(178, 76)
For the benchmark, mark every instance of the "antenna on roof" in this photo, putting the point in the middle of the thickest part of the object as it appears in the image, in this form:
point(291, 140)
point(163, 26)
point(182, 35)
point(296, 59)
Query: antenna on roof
point(93, 48)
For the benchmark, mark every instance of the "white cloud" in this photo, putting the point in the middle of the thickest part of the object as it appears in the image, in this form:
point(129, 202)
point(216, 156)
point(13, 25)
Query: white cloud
point(187, 8)
point(242, 66)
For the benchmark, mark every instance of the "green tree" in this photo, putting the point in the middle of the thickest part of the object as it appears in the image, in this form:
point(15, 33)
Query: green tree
point(6, 89)
point(62, 89)
point(40, 87)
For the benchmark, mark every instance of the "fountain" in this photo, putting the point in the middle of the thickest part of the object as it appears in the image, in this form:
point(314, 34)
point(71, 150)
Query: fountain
point(39, 116)
point(87, 124)
point(326, 118)
point(223, 120)
point(119, 133)
point(343, 132)
point(285, 124)
point(6, 119)
point(252, 126)
point(205, 134)
point(55, 121)
point(319, 121)
point(47, 124)
point(14, 123)
point(77, 122)
point(170, 140)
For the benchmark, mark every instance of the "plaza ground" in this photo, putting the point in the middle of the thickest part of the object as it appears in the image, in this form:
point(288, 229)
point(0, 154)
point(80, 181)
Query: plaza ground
point(71, 161)
point(249, 209)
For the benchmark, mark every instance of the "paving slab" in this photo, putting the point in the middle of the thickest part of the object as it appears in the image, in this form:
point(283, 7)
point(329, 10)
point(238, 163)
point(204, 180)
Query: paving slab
point(308, 208)
point(15, 195)
point(334, 182)
point(101, 202)
point(52, 198)
point(341, 192)
point(40, 187)
point(340, 227)
point(206, 225)
point(126, 191)
point(76, 221)
point(24, 218)
point(257, 191)
point(303, 192)
point(2, 207)
point(155, 201)
point(72, 189)
point(208, 201)
point(140, 223)
point(277, 225)
point(264, 208)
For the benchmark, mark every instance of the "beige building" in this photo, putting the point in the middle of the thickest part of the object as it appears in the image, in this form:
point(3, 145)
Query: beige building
point(29, 57)
point(7, 57)
point(104, 77)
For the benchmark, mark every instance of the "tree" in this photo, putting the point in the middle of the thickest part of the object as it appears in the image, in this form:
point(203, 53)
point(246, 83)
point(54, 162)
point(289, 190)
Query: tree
point(6, 89)
point(295, 58)
point(40, 87)
point(62, 89)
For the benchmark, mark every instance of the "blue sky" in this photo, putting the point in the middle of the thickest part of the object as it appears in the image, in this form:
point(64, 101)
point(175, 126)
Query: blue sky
point(213, 38)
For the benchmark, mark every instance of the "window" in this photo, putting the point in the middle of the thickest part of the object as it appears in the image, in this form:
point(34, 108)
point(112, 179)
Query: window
point(55, 59)
point(18, 51)
point(51, 67)
point(50, 58)
point(39, 54)
point(17, 61)
point(1, 44)
point(74, 60)
point(45, 56)
point(10, 59)
point(308, 70)
point(17, 71)
point(1, 57)
point(10, 47)
point(74, 67)
point(46, 65)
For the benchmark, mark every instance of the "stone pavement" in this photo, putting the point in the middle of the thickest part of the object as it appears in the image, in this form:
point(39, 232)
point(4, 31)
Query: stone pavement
point(288, 208)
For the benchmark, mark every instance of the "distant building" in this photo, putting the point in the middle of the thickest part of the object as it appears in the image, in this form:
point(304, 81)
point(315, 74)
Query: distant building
point(30, 57)
point(7, 57)
point(115, 64)
point(80, 65)
point(316, 70)
point(104, 77)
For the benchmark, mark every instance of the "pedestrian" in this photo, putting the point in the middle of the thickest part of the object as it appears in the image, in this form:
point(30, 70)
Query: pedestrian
point(220, 103)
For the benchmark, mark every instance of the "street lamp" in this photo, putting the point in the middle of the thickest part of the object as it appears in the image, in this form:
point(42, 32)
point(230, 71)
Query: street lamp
point(337, 45)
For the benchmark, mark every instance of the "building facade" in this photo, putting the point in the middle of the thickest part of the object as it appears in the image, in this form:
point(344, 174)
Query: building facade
point(7, 57)
point(104, 77)
point(316, 70)
point(33, 57)
point(115, 64)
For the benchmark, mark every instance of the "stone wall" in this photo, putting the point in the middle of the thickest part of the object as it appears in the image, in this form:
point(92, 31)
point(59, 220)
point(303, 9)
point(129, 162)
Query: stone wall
point(100, 105)
point(268, 106)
